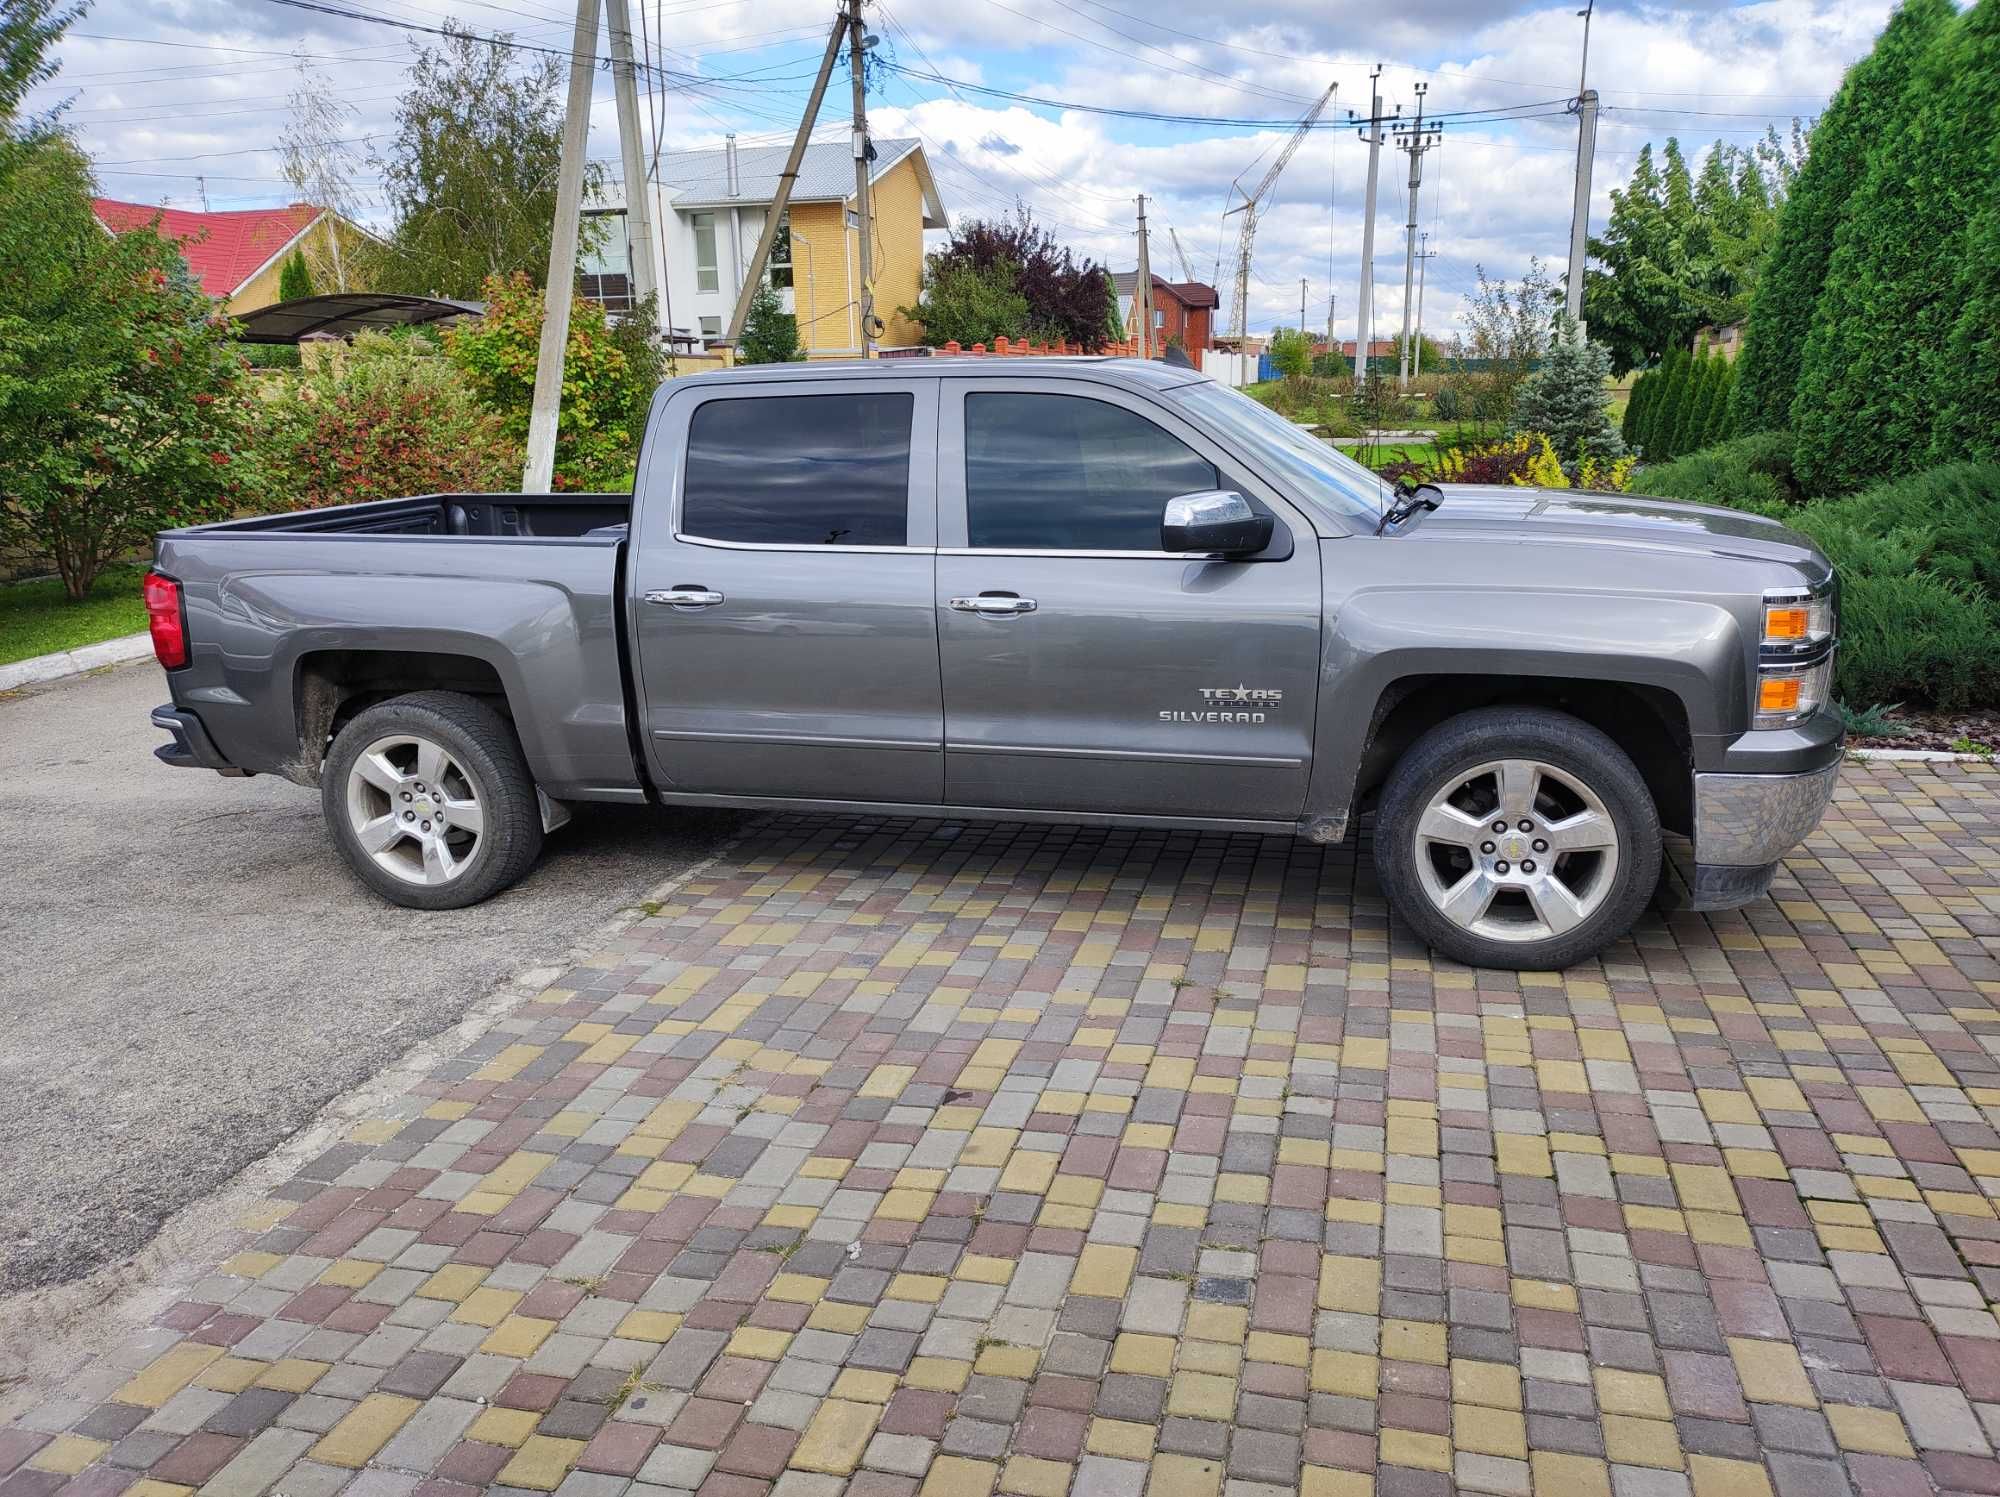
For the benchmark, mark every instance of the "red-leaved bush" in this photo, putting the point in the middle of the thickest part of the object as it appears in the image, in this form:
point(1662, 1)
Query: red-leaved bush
point(384, 418)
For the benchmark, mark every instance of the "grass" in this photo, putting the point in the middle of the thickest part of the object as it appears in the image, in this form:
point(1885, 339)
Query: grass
point(1389, 452)
point(37, 619)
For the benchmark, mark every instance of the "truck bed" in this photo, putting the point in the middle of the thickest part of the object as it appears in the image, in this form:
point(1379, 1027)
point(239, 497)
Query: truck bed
point(291, 617)
point(546, 516)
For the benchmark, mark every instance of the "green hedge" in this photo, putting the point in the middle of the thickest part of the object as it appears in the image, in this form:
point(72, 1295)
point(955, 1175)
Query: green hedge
point(1919, 562)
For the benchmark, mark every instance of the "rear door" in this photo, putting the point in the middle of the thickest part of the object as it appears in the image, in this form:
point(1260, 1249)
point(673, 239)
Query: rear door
point(1084, 668)
point(782, 614)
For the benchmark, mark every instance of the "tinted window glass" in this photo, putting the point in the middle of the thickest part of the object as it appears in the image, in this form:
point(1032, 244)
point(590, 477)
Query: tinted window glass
point(800, 470)
point(1066, 473)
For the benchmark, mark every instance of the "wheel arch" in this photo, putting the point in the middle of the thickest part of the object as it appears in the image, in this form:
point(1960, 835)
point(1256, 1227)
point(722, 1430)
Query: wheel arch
point(331, 685)
point(1649, 722)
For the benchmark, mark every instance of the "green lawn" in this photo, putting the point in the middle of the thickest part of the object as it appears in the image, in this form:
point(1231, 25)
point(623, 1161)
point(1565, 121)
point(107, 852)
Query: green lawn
point(36, 619)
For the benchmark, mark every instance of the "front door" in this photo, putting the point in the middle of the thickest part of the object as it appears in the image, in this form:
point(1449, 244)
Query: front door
point(1084, 668)
point(783, 574)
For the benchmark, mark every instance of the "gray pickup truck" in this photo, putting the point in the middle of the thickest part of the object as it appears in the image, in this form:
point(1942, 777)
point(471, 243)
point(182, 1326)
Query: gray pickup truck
point(1075, 590)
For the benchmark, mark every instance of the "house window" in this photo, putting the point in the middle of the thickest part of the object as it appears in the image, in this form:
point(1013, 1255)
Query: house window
point(711, 327)
point(706, 276)
point(781, 253)
point(604, 270)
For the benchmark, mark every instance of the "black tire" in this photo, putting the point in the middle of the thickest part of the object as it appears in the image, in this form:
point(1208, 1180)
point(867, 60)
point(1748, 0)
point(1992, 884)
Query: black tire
point(1572, 747)
point(486, 751)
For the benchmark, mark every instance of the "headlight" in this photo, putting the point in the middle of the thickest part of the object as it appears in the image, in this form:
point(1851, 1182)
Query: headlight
point(1797, 618)
point(1787, 694)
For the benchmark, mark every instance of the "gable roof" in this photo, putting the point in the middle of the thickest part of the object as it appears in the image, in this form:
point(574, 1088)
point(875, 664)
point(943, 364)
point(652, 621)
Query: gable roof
point(700, 179)
point(224, 250)
point(1187, 293)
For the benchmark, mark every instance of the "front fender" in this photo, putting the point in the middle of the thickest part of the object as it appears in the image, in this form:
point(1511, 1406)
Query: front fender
point(1689, 648)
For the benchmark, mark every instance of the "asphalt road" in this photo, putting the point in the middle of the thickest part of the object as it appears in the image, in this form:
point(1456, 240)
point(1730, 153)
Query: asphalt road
point(189, 973)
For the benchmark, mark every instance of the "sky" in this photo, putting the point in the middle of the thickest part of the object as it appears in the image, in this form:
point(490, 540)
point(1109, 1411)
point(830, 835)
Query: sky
point(162, 92)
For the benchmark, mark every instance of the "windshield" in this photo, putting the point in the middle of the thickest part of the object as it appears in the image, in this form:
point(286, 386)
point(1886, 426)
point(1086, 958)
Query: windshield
point(1290, 454)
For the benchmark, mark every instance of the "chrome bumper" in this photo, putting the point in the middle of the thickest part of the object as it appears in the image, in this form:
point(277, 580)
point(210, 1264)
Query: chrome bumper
point(1753, 820)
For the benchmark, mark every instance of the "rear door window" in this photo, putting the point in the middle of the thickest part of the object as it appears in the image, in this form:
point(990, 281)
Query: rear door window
point(1068, 473)
point(800, 470)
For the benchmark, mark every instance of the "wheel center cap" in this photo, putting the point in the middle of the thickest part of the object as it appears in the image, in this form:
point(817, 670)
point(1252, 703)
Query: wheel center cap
point(424, 807)
point(1513, 848)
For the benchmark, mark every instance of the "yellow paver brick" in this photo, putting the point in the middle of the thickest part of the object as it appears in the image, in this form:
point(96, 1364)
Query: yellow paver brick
point(1771, 1372)
point(66, 1455)
point(1120, 1438)
point(363, 1430)
point(836, 1437)
point(1406, 1447)
point(541, 1463)
point(1868, 1431)
point(1031, 1476)
point(167, 1374)
point(955, 1476)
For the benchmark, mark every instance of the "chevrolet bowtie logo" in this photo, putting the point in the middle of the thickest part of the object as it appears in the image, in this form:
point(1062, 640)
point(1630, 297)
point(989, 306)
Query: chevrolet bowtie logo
point(1240, 693)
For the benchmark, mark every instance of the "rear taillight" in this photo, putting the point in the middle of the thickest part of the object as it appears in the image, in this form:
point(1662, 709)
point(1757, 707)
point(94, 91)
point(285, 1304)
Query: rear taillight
point(165, 620)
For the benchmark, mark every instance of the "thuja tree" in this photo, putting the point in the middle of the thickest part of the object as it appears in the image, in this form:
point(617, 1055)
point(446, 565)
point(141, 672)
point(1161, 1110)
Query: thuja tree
point(1866, 402)
point(1781, 312)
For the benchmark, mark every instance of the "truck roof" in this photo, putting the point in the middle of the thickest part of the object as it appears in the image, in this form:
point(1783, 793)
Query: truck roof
point(1140, 373)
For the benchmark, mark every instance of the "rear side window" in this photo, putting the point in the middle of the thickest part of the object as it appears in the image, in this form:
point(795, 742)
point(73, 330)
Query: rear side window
point(800, 470)
point(1068, 473)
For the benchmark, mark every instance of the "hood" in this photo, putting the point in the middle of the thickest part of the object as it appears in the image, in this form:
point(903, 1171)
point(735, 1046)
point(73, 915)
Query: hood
point(1506, 512)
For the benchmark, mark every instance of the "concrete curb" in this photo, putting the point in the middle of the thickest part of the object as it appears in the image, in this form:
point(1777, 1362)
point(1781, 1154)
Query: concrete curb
point(74, 662)
point(1918, 756)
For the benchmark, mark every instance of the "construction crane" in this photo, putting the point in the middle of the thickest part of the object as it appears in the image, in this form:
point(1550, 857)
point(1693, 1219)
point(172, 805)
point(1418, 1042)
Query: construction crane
point(1240, 317)
point(1187, 270)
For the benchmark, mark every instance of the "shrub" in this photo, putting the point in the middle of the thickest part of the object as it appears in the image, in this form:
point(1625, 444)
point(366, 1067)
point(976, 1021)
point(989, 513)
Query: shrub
point(1291, 353)
point(603, 396)
point(1331, 365)
point(385, 417)
point(1448, 404)
point(1919, 560)
point(117, 376)
point(1752, 472)
point(967, 304)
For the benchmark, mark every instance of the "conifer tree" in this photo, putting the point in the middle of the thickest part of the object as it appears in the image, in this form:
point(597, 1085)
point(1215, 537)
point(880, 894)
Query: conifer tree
point(1966, 384)
point(1864, 408)
point(1782, 310)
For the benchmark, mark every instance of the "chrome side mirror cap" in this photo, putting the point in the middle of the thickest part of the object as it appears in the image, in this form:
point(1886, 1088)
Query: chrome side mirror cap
point(1215, 521)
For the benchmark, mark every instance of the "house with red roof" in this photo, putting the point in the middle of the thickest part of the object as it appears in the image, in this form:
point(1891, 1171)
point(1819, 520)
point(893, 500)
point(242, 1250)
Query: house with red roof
point(239, 255)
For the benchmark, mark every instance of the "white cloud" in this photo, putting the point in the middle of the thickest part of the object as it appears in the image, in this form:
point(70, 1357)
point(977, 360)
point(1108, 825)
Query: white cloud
point(198, 86)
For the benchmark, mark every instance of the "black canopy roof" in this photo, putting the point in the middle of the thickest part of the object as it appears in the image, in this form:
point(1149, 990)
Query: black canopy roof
point(346, 313)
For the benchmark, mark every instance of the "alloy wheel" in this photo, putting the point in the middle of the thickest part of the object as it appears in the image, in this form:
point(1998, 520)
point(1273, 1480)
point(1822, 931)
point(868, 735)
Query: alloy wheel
point(415, 809)
point(1516, 850)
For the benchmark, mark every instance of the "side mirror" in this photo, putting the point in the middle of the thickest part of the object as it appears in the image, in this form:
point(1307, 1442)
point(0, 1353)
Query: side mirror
point(1219, 520)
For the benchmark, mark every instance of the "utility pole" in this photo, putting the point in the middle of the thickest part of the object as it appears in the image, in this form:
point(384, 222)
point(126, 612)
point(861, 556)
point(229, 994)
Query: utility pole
point(1415, 139)
point(1302, 306)
point(1585, 109)
point(539, 470)
point(858, 42)
point(1424, 254)
point(754, 273)
point(201, 186)
point(1331, 346)
point(632, 155)
point(1142, 287)
point(1373, 135)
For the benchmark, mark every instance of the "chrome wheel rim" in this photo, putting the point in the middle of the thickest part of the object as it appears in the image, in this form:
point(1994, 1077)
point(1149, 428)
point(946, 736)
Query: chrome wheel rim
point(415, 809)
point(1516, 850)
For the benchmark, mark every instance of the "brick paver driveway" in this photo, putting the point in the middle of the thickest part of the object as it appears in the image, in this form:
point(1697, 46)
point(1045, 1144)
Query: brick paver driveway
point(1045, 1161)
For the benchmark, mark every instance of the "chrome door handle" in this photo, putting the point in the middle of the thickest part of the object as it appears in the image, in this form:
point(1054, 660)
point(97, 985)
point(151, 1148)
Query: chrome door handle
point(685, 597)
point(990, 603)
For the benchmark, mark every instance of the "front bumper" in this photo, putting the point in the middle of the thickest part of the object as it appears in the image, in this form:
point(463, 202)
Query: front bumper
point(191, 747)
point(1744, 824)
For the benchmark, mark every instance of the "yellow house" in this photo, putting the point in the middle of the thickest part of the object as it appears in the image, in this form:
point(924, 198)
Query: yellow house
point(711, 206)
point(239, 255)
